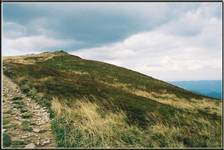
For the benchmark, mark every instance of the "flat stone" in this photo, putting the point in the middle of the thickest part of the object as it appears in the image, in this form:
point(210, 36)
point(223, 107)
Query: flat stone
point(36, 107)
point(17, 118)
point(24, 136)
point(36, 130)
point(29, 134)
point(38, 143)
point(31, 145)
point(47, 141)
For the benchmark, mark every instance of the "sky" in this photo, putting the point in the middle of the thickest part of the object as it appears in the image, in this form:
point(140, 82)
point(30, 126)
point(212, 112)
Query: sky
point(168, 41)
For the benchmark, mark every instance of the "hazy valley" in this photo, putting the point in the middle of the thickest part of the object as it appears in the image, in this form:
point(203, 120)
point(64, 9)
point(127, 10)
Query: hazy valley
point(211, 88)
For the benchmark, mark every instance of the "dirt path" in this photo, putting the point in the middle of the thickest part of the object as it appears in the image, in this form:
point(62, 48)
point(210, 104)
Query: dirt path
point(24, 120)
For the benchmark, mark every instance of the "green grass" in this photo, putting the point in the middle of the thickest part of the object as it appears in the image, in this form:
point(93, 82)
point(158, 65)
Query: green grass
point(18, 143)
point(137, 121)
point(6, 140)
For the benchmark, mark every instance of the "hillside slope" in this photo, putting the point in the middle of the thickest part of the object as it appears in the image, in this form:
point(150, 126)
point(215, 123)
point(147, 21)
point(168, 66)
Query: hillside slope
point(94, 104)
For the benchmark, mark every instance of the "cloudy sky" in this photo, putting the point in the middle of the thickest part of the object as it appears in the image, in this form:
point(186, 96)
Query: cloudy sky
point(169, 41)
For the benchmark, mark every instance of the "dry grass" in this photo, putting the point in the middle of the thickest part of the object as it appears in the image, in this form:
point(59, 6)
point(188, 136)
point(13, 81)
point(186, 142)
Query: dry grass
point(171, 99)
point(183, 104)
point(91, 122)
point(96, 128)
point(164, 136)
point(164, 98)
point(56, 106)
point(44, 79)
point(210, 106)
point(25, 59)
point(80, 73)
point(85, 125)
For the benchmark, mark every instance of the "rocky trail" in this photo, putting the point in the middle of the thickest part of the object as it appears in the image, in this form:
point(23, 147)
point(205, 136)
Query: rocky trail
point(24, 121)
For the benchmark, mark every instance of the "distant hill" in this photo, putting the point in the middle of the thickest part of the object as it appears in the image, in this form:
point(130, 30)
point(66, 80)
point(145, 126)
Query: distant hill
point(95, 104)
point(211, 88)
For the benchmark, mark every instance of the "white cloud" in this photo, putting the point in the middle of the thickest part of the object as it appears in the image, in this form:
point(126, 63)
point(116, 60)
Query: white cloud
point(18, 41)
point(31, 44)
point(12, 30)
point(188, 48)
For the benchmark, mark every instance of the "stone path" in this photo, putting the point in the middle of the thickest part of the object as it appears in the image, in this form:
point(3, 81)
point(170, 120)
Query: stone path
point(24, 120)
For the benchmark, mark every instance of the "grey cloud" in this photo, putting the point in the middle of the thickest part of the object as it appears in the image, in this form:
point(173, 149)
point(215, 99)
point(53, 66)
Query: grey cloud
point(92, 24)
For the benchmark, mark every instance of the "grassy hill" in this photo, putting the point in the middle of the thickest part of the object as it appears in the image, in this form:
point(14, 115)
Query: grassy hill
point(95, 104)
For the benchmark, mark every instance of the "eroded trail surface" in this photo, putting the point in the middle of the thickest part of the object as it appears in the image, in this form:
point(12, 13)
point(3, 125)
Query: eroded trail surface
point(26, 122)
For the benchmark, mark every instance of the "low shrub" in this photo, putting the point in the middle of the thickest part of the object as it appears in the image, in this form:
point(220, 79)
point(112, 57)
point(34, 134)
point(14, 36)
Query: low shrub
point(25, 87)
point(18, 102)
point(17, 98)
point(23, 110)
point(26, 126)
point(27, 115)
point(18, 106)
